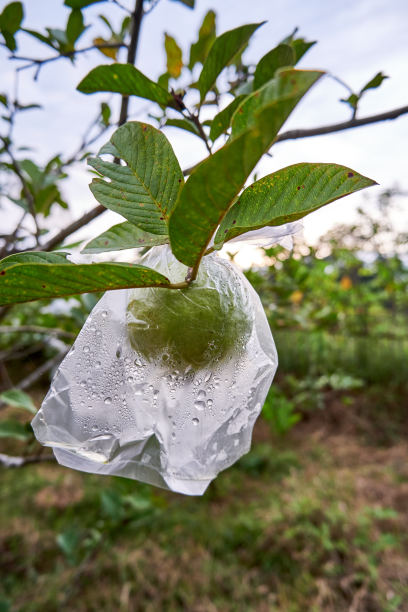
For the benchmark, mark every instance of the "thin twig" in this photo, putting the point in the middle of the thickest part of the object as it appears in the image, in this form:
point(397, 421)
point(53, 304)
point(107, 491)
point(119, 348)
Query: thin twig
point(345, 125)
point(137, 16)
point(32, 378)
point(124, 8)
point(68, 55)
point(26, 190)
point(36, 329)
point(10, 461)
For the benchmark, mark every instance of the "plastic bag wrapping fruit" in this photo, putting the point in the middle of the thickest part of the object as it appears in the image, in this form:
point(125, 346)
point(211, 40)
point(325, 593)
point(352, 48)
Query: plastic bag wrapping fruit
point(270, 235)
point(161, 385)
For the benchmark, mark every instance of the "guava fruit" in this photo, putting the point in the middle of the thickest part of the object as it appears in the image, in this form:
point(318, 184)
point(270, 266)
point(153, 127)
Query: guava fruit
point(197, 326)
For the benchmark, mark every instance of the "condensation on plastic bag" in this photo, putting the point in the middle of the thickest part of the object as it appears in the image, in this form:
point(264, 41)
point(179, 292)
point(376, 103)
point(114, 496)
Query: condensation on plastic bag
point(111, 410)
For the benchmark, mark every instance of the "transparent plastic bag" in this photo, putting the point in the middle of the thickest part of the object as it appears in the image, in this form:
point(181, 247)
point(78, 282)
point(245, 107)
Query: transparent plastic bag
point(170, 416)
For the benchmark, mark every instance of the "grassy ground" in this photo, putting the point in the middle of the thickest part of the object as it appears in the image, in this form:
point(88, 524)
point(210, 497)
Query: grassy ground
point(314, 521)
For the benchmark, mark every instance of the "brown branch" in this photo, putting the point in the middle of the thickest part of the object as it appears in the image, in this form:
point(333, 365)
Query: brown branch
point(36, 329)
point(10, 461)
point(345, 125)
point(69, 54)
point(137, 17)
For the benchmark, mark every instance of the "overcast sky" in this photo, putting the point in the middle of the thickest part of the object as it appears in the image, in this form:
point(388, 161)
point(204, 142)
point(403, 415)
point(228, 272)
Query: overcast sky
point(356, 39)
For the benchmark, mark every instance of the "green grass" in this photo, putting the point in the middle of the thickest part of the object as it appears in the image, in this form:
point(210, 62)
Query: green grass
point(291, 527)
point(375, 360)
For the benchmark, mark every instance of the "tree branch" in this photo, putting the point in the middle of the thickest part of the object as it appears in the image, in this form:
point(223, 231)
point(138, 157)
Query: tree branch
point(137, 17)
point(9, 461)
point(69, 54)
point(345, 125)
point(36, 329)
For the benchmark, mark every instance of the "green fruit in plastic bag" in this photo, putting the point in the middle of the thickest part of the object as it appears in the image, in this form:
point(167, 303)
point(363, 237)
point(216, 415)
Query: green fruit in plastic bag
point(197, 326)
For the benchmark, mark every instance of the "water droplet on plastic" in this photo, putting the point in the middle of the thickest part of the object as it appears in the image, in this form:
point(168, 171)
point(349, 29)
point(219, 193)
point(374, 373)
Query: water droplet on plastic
point(108, 400)
point(98, 333)
point(104, 314)
point(83, 383)
point(97, 364)
point(201, 395)
point(94, 428)
point(199, 405)
point(173, 435)
point(86, 349)
point(118, 353)
point(129, 379)
point(209, 403)
point(196, 421)
point(207, 378)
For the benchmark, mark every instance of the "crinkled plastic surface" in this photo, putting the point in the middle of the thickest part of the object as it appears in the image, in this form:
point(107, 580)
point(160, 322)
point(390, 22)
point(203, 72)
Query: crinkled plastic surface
point(142, 393)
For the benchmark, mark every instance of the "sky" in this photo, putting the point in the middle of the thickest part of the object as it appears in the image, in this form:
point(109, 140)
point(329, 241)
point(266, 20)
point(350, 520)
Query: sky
point(356, 39)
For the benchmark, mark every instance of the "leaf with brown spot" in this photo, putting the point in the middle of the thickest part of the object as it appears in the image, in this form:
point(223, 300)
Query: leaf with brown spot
point(287, 195)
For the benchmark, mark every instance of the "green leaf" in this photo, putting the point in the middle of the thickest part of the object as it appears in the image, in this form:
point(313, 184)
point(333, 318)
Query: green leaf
point(184, 124)
point(222, 51)
point(34, 257)
point(174, 56)
point(146, 189)
point(285, 90)
point(10, 22)
point(189, 3)
point(281, 56)
point(75, 26)
point(11, 17)
point(24, 277)
point(18, 399)
point(126, 80)
point(300, 47)
point(123, 236)
point(352, 100)
point(287, 195)
point(47, 40)
point(105, 113)
point(79, 4)
point(375, 82)
point(222, 121)
point(14, 429)
point(206, 36)
point(214, 185)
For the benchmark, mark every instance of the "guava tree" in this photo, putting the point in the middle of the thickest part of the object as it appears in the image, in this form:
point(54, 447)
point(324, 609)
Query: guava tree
point(140, 178)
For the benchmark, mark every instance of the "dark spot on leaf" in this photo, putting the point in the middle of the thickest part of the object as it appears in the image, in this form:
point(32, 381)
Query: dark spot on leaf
point(141, 240)
point(256, 95)
point(225, 231)
point(240, 111)
point(298, 187)
point(161, 218)
point(350, 174)
point(3, 272)
point(303, 186)
point(239, 201)
point(106, 241)
point(234, 222)
point(144, 127)
point(43, 286)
